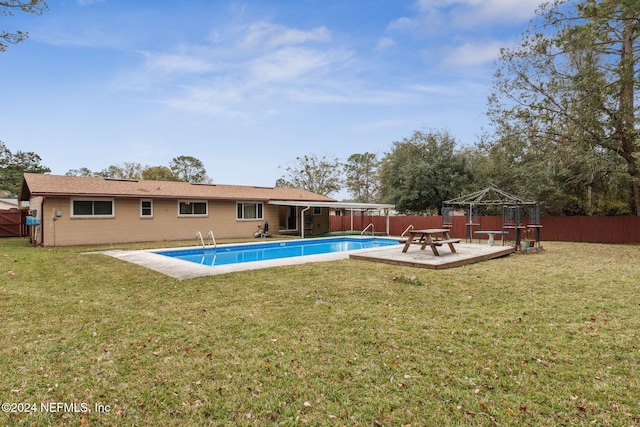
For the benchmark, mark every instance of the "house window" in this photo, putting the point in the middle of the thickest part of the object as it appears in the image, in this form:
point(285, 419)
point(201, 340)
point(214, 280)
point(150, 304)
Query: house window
point(146, 209)
point(251, 210)
point(317, 210)
point(90, 208)
point(192, 208)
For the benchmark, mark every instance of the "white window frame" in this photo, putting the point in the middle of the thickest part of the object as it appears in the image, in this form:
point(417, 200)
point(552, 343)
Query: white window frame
point(142, 215)
point(258, 210)
point(317, 210)
point(92, 216)
point(193, 215)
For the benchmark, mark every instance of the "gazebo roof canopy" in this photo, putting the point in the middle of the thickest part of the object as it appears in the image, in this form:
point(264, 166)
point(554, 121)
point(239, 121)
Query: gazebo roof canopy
point(491, 195)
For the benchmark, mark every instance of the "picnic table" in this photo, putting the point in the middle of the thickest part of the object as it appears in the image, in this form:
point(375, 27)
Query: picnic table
point(491, 234)
point(432, 237)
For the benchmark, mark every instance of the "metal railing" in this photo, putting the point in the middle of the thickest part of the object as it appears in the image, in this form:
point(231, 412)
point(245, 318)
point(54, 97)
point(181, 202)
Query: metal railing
point(410, 227)
point(199, 235)
point(365, 229)
point(212, 238)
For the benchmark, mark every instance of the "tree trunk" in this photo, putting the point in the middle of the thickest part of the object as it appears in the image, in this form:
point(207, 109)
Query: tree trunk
point(626, 131)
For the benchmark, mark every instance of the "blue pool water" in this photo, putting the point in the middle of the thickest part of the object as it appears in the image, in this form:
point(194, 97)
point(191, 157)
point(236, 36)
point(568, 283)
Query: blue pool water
point(233, 254)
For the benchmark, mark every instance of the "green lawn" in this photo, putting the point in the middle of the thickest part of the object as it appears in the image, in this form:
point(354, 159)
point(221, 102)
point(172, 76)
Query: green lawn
point(550, 339)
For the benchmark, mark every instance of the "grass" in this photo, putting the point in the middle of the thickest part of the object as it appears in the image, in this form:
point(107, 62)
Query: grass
point(548, 339)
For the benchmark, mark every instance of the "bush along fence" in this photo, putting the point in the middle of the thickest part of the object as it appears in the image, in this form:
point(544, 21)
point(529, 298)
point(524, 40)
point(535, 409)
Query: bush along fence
point(592, 229)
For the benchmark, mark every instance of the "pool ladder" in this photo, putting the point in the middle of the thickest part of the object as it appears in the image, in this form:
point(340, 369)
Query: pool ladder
point(210, 239)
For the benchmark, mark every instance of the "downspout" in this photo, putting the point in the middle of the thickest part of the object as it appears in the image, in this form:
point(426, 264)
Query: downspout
point(44, 199)
point(302, 220)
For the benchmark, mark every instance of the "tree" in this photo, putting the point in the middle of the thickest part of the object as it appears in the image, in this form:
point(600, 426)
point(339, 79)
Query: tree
point(159, 173)
point(318, 175)
point(183, 168)
point(128, 170)
point(555, 176)
point(113, 171)
point(423, 171)
point(7, 8)
point(283, 183)
point(362, 180)
point(79, 172)
point(14, 165)
point(189, 169)
point(570, 87)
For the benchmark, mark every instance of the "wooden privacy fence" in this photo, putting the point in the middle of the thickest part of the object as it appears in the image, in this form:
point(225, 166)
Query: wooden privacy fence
point(593, 229)
point(12, 223)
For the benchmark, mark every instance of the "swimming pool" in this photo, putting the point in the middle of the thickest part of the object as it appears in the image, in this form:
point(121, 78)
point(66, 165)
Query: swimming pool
point(244, 253)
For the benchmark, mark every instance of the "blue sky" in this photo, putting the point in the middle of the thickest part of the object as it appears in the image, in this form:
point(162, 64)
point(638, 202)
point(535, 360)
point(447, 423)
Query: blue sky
point(247, 86)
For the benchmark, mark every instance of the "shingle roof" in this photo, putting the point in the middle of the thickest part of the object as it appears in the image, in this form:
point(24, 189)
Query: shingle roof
point(80, 186)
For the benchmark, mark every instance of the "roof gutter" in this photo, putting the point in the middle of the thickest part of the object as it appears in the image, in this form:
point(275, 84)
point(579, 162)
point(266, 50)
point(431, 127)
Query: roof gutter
point(146, 196)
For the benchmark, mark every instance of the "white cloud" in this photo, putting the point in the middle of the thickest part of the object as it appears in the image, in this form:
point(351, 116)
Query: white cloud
point(268, 66)
point(435, 16)
point(289, 64)
point(177, 62)
point(268, 35)
point(404, 24)
point(436, 89)
point(264, 70)
point(217, 98)
point(462, 32)
point(385, 43)
point(346, 94)
point(475, 53)
point(479, 12)
point(474, 13)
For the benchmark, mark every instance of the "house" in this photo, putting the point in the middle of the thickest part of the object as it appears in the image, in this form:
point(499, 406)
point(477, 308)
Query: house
point(75, 210)
point(7, 204)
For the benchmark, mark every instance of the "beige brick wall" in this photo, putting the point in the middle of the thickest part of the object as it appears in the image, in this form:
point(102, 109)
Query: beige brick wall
point(320, 222)
point(127, 226)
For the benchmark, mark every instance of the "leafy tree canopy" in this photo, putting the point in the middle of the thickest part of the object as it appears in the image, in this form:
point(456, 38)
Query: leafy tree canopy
point(182, 168)
point(189, 169)
point(569, 91)
point(422, 171)
point(128, 170)
point(362, 179)
point(14, 165)
point(320, 175)
point(159, 173)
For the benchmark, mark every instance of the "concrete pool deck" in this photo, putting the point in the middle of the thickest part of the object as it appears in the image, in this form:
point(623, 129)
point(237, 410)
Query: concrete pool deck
point(181, 269)
point(467, 253)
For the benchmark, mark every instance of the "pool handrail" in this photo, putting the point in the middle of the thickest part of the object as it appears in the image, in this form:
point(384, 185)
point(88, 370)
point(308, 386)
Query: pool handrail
point(211, 237)
point(199, 234)
point(365, 229)
point(410, 227)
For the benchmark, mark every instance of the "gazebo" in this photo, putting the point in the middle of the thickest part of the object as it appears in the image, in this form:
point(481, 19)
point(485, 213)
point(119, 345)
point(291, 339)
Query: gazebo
point(517, 214)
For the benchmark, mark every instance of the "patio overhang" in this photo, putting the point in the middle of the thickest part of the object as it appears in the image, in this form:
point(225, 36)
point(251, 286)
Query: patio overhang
point(352, 206)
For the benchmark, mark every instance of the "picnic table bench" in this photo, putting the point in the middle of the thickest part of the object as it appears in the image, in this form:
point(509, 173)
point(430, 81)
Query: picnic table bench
point(432, 237)
point(491, 235)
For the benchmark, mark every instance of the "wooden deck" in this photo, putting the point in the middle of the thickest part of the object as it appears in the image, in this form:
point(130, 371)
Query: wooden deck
point(466, 253)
